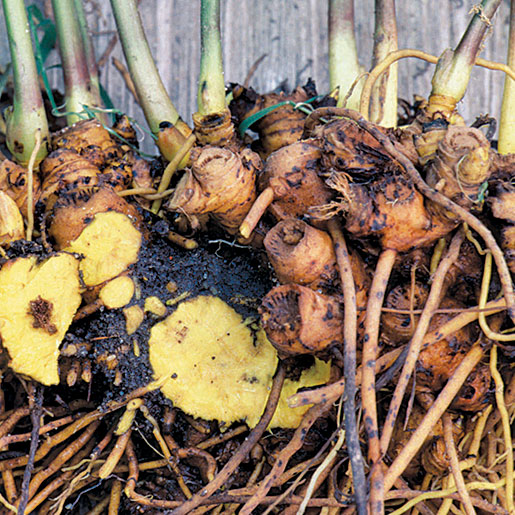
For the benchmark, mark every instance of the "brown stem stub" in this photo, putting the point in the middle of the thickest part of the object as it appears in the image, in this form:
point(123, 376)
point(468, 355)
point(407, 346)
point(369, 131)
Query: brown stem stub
point(298, 320)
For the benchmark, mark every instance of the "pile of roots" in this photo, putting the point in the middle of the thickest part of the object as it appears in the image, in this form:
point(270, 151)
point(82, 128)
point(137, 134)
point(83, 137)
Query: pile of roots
point(316, 318)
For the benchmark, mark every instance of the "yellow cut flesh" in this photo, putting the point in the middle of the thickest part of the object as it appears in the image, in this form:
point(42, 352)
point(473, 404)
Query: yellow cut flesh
point(118, 292)
point(217, 369)
point(109, 244)
point(53, 283)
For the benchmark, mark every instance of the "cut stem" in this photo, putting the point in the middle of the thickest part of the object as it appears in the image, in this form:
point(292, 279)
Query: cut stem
point(27, 115)
point(507, 123)
point(160, 113)
point(383, 107)
point(211, 86)
point(454, 67)
point(78, 87)
point(344, 66)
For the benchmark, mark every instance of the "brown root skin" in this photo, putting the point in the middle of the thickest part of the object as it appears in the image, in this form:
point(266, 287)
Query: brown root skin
point(64, 170)
point(303, 255)
point(216, 129)
point(437, 362)
point(13, 181)
point(398, 328)
point(11, 221)
point(141, 176)
point(389, 208)
point(298, 320)
point(282, 126)
point(348, 148)
point(292, 173)
point(460, 168)
point(220, 183)
point(76, 209)
point(89, 139)
point(502, 205)
point(290, 185)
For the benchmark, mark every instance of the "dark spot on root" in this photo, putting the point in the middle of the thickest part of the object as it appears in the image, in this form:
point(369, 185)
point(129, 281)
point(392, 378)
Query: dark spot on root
point(41, 310)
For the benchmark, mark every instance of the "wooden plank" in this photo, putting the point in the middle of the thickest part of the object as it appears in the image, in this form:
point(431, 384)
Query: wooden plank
point(293, 35)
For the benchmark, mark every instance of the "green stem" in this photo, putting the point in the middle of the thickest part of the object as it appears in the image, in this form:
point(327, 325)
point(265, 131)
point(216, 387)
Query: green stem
point(383, 105)
point(344, 66)
point(27, 115)
point(507, 122)
point(91, 62)
point(454, 68)
point(211, 88)
point(153, 98)
point(73, 57)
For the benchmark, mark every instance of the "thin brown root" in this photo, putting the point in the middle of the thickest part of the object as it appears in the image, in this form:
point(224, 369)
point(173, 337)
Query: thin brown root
point(450, 449)
point(115, 498)
point(171, 168)
point(310, 417)
point(115, 455)
point(368, 379)
point(417, 339)
point(265, 198)
point(432, 416)
point(126, 76)
point(244, 448)
point(36, 406)
point(505, 420)
point(350, 361)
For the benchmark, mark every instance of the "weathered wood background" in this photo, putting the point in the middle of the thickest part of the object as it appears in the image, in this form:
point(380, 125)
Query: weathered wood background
point(293, 35)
